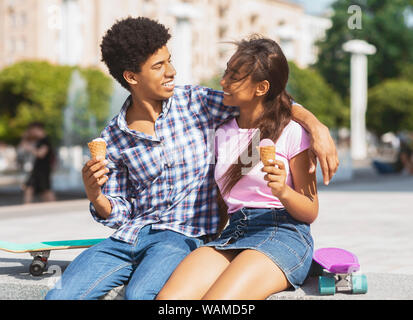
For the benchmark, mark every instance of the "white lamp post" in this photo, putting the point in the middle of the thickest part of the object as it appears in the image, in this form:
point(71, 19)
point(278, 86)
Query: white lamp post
point(359, 50)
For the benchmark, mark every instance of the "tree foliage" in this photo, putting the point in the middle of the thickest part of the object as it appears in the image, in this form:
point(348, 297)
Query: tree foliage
point(390, 107)
point(37, 91)
point(385, 24)
point(310, 90)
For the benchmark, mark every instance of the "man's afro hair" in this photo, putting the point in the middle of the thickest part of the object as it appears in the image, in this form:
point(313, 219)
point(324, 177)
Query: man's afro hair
point(129, 43)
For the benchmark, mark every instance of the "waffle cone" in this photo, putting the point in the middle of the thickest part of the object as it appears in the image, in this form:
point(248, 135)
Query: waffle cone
point(267, 153)
point(97, 149)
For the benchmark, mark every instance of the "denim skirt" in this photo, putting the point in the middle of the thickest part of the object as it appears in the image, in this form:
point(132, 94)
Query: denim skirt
point(275, 233)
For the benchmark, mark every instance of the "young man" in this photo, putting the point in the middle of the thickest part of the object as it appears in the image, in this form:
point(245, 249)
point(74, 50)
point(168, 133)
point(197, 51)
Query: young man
point(157, 186)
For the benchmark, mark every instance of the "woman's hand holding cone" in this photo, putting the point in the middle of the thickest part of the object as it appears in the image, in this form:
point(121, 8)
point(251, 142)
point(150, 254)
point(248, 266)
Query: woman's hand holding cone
point(276, 177)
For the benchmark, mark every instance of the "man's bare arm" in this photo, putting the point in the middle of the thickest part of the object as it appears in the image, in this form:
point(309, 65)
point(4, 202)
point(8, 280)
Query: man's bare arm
point(322, 144)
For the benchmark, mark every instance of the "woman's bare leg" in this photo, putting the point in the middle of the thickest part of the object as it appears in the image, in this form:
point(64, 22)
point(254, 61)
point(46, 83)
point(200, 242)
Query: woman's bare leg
point(250, 275)
point(196, 274)
point(28, 194)
point(48, 196)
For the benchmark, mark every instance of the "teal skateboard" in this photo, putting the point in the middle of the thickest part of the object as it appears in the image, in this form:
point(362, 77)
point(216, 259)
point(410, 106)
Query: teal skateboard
point(335, 268)
point(40, 251)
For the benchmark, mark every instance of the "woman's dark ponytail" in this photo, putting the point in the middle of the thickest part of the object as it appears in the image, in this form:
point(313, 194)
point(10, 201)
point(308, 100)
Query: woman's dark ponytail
point(267, 62)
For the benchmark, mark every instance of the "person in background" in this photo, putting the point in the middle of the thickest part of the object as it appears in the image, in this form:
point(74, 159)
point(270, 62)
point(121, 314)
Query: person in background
point(402, 165)
point(36, 142)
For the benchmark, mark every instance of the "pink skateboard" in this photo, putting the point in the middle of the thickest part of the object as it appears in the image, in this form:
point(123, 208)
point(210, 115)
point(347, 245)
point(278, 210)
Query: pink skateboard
point(336, 267)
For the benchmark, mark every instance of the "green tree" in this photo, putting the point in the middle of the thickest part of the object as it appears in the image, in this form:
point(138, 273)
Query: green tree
point(385, 23)
point(310, 90)
point(390, 107)
point(31, 91)
point(37, 91)
point(213, 83)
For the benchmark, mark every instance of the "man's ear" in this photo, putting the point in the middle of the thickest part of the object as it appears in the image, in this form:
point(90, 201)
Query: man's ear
point(130, 77)
point(262, 88)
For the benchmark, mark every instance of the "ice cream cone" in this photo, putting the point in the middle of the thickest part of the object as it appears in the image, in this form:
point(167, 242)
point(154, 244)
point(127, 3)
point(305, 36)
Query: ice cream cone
point(97, 148)
point(267, 153)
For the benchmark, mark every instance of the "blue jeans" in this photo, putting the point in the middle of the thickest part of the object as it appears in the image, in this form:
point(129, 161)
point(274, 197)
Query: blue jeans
point(144, 266)
point(384, 167)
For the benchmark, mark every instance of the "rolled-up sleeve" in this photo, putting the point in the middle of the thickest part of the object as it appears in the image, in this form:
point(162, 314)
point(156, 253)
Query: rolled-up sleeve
point(215, 107)
point(118, 191)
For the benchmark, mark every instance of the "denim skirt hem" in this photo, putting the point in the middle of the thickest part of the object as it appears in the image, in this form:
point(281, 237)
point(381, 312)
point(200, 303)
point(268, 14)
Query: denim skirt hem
point(273, 232)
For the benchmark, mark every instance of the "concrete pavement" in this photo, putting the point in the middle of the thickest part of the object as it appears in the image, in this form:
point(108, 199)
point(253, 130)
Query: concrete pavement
point(371, 216)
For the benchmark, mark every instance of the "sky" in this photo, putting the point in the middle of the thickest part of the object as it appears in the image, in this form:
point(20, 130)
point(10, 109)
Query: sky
point(314, 6)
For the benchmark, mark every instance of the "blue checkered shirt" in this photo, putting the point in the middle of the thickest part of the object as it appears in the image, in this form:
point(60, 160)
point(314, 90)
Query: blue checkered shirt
point(167, 180)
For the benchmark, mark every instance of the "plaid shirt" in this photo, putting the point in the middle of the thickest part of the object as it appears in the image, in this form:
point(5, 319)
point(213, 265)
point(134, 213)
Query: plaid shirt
point(168, 180)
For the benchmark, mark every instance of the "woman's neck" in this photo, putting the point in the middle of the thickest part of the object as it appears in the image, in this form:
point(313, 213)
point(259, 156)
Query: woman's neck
point(249, 115)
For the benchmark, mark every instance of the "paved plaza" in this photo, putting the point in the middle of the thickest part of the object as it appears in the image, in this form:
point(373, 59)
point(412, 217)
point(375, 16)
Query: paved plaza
point(371, 216)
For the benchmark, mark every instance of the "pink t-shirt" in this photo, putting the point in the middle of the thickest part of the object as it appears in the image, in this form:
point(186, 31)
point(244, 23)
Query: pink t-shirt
point(252, 190)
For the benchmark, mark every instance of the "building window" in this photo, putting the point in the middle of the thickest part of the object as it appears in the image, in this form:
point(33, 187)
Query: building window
point(287, 46)
point(12, 45)
point(253, 19)
point(222, 11)
point(23, 19)
point(13, 19)
point(222, 31)
point(21, 45)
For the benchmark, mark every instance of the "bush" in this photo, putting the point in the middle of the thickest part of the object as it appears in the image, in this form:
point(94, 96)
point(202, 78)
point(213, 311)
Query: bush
point(37, 91)
point(390, 107)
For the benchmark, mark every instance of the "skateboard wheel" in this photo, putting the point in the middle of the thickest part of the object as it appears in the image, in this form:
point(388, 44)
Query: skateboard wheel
point(326, 286)
point(359, 283)
point(37, 267)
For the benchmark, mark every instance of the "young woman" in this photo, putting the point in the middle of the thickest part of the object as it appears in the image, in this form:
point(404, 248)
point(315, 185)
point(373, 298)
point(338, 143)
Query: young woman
point(267, 246)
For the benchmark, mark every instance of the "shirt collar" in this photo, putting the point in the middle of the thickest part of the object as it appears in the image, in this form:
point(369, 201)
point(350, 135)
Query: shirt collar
point(123, 125)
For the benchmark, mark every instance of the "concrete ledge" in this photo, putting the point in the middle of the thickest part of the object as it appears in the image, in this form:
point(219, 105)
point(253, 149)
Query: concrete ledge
point(381, 286)
point(17, 284)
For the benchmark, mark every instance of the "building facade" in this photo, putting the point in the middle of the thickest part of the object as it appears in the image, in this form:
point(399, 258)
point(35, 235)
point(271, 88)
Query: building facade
point(70, 31)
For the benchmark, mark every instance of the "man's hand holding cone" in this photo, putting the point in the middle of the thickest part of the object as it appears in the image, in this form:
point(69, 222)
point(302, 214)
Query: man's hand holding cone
point(97, 148)
point(94, 171)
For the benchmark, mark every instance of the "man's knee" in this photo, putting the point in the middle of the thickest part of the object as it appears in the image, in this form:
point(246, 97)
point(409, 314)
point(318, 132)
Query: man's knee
point(140, 294)
point(60, 294)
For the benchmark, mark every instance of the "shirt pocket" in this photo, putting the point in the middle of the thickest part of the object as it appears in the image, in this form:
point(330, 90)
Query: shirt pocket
point(144, 163)
point(190, 150)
